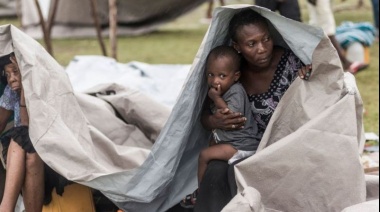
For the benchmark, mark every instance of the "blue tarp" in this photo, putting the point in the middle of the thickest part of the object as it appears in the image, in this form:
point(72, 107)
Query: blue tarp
point(349, 32)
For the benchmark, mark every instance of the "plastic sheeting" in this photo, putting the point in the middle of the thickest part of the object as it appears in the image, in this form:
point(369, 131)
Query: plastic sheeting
point(7, 8)
point(348, 33)
point(161, 82)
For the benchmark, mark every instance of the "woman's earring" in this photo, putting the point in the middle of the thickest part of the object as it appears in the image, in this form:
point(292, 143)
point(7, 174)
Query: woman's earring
point(238, 52)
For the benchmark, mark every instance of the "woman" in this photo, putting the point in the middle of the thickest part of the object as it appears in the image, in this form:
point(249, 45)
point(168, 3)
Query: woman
point(266, 73)
point(25, 169)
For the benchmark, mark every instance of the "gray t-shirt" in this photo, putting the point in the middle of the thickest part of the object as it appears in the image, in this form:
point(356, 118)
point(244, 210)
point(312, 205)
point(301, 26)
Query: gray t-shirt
point(243, 139)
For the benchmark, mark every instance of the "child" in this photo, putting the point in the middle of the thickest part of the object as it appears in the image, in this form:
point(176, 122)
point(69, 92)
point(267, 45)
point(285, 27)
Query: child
point(24, 168)
point(222, 69)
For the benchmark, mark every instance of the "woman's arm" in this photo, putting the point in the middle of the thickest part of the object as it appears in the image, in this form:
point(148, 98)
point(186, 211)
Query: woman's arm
point(223, 119)
point(4, 117)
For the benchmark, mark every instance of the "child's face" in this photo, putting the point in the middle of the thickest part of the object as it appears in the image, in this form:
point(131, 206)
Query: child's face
point(221, 72)
point(13, 76)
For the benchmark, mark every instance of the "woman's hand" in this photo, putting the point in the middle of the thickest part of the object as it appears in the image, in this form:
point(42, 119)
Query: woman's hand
point(225, 119)
point(305, 72)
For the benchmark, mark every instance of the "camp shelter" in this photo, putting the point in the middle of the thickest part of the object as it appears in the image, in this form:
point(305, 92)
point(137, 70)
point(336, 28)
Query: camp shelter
point(8, 8)
point(74, 18)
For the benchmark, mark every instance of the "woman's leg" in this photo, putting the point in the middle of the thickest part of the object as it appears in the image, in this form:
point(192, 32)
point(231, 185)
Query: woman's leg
point(214, 192)
point(14, 176)
point(216, 152)
point(33, 190)
point(231, 177)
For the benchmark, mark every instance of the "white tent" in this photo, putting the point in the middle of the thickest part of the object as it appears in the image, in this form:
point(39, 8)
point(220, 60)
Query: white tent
point(7, 8)
point(74, 18)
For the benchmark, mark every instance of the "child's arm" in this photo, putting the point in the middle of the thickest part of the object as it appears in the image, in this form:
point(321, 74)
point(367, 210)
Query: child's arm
point(215, 95)
point(23, 112)
point(4, 116)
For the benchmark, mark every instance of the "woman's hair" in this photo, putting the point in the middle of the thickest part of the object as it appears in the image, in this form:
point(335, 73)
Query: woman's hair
point(245, 17)
point(224, 51)
point(4, 60)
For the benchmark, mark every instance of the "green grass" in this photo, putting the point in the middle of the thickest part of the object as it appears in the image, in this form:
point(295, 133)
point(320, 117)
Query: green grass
point(177, 43)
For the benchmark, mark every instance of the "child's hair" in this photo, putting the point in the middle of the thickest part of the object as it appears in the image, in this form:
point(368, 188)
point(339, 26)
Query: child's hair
point(245, 17)
point(4, 60)
point(224, 51)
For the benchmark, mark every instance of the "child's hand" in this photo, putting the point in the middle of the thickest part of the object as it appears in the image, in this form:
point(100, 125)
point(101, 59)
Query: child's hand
point(215, 93)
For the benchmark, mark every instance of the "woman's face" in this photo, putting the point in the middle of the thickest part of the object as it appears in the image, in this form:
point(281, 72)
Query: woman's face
point(255, 44)
point(13, 76)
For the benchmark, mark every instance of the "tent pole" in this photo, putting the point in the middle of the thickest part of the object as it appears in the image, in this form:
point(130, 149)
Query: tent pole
point(94, 10)
point(44, 29)
point(18, 11)
point(52, 17)
point(113, 27)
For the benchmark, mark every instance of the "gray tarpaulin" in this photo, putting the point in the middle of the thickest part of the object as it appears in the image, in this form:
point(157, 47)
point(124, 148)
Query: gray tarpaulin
point(308, 159)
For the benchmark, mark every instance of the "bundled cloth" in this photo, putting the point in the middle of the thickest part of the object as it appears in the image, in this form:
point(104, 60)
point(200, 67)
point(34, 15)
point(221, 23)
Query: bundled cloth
point(349, 32)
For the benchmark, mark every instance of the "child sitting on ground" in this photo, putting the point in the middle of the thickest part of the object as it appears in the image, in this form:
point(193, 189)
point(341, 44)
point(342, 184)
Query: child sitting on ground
point(222, 69)
point(25, 170)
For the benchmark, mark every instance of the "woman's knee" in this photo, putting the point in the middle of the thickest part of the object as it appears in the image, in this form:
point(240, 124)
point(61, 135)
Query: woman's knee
point(216, 172)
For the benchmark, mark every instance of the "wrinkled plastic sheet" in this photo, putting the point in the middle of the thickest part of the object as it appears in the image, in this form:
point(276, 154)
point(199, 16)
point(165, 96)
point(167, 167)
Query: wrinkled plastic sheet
point(161, 82)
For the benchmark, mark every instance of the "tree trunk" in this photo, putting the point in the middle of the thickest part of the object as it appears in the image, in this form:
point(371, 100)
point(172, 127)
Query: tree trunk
point(44, 29)
point(94, 12)
point(113, 27)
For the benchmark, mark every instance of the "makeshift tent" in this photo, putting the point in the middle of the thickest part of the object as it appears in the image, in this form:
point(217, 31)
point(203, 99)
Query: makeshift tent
point(8, 8)
point(74, 19)
point(104, 140)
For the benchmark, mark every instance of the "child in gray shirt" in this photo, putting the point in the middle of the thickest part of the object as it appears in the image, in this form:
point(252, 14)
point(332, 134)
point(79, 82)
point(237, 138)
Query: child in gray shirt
point(222, 69)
